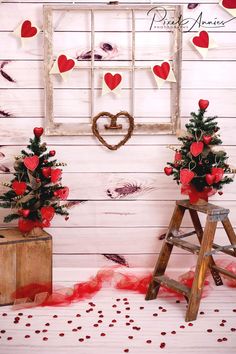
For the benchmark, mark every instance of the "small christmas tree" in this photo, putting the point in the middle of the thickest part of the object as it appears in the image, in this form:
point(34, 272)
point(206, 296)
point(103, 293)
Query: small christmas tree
point(197, 166)
point(36, 190)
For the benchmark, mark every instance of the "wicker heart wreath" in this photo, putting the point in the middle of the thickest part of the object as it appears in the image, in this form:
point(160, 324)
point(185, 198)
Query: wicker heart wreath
point(113, 125)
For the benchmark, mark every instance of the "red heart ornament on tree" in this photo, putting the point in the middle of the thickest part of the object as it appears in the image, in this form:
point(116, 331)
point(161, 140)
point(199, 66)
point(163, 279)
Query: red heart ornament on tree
point(52, 152)
point(27, 30)
point(162, 70)
point(168, 171)
point(55, 175)
point(25, 212)
point(19, 187)
point(196, 148)
point(210, 179)
point(218, 172)
point(112, 81)
point(46, 171)
point(38, 132)
point(62, 193)
point(47, 213)
point(31, 162)
point(229, 4)
point(203, 104)
point(202, 40)
point(186, 176)
point(207, 139)
point(26, 225)
point(178, 156)
point(65, 64)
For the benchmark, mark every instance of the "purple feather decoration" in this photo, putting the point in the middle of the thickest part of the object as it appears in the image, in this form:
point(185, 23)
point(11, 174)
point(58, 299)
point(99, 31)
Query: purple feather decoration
point(116, 258)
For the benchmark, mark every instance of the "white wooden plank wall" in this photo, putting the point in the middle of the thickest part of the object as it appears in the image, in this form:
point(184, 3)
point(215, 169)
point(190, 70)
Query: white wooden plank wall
point(127, 198)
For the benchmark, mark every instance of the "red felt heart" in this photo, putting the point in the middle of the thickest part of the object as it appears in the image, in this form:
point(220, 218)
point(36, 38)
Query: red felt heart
point(162, 70)
point(19, 187)
point(202, 40)
point(196, 148)
point(218, 172)
point(26, 225)
point(47, 213)
point(112, 81)
point(186, 176)
point(229, 4)
point(203, 104)
point(27, 30)
point(65, 64)
point(168, 171)
point(38, 131)
point(52, 152)
point(24, 212)
point(55, 175)
point(210, 179)
point(31, 162)
point(46, 171)
point(207, 139)
point(178, 156)
point(62, 193)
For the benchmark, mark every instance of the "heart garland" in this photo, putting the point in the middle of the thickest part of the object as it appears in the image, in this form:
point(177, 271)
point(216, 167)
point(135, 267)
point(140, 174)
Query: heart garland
point(26, 31)
point(112, 81)
point(162, 70)
point(229, 6)
point(202, 42)
point(63, 66)
point(163, 73)
point(113, 125)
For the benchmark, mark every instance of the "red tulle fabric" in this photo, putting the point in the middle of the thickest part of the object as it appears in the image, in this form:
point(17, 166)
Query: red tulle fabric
point(34, 295)
point(195, 195)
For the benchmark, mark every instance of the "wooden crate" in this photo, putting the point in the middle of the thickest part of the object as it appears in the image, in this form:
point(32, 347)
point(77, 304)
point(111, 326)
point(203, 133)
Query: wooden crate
point(23, 261)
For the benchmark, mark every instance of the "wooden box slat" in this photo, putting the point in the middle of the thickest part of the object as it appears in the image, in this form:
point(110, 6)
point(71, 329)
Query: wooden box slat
point(23, 261)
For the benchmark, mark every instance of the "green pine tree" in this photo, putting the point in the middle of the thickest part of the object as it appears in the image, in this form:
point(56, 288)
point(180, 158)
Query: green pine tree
point(199, 154)
point(35, 191)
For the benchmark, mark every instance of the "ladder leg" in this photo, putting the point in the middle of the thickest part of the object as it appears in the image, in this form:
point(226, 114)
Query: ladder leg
point(165, 253)
point(198, 227)
point(200, 271)
point(230, 233)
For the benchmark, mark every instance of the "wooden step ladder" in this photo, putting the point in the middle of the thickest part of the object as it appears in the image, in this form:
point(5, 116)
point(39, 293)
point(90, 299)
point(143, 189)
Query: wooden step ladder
point(205, 251)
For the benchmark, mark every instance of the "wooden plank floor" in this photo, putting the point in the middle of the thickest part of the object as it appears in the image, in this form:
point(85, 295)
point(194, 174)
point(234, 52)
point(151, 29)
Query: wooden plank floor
point(121, 322)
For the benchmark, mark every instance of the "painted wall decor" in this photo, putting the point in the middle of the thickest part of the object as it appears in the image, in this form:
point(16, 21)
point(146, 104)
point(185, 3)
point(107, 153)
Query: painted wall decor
point(108, 59)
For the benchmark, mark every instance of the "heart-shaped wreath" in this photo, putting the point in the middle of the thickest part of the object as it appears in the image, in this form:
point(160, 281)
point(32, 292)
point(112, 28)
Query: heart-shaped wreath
point(113, 125)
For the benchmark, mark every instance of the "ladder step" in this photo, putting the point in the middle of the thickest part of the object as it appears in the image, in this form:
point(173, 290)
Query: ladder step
point(173, 284)
point(184, 245)
point(224, 271)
